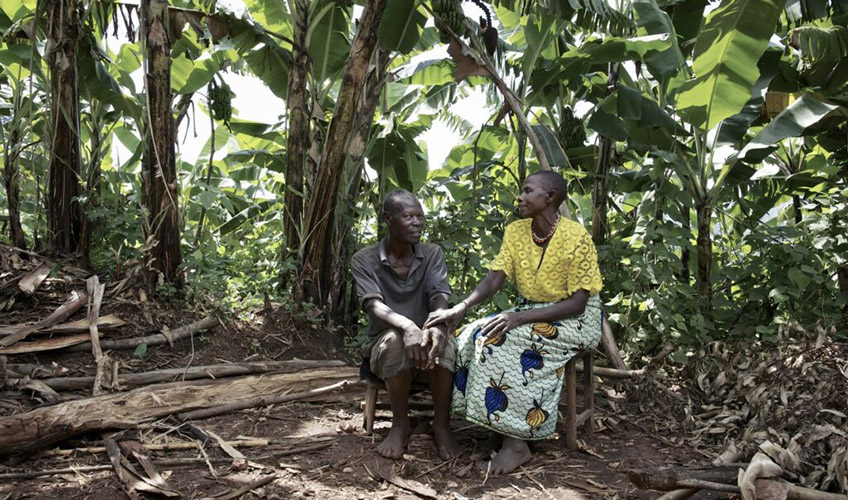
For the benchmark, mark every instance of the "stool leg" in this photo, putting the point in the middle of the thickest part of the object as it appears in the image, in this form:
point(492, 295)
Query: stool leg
point(571, 404)
point(370, 407)
point(589, 390)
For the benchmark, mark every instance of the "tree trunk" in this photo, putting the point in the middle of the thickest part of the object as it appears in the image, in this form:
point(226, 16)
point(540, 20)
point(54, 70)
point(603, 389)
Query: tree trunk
point(318, 263)
point(11, 178)
point(159, 177)
point(705, 255)
point(297, 145)
point(600, 190)
point(600, 193)
point(684, 254)
point(92, 185)
point(356, 151)
point(63, 211)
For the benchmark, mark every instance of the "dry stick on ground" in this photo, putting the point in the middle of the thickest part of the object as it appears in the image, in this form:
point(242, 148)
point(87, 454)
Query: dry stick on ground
point(150, 340)
point(193, 373)
point(64, 311)
point(95, 291)
point(168, 462)
point(21, 434)
point(406, 484)
point(260, 401)
point(246, 489)
point(683, 483)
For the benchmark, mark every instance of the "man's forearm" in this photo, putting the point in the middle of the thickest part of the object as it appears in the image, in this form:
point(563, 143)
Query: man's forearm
point(439, 302)
point(379, 310)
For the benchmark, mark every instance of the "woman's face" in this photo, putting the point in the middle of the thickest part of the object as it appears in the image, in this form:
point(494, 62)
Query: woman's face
point(534, 198)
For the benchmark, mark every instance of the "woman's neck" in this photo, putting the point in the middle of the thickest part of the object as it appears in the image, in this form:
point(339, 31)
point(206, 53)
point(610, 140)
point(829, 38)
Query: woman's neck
point(543, 223)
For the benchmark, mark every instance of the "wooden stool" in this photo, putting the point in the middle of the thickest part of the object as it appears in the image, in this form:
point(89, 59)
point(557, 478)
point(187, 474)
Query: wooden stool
point(572, 419)
point(373, 386)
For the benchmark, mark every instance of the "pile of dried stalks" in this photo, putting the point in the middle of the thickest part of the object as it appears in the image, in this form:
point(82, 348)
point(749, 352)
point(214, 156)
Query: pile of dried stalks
point(787, 397)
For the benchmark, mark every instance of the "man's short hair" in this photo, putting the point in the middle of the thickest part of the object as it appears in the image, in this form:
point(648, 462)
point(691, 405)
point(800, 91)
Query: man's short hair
point(552, 181)
point(394, 200)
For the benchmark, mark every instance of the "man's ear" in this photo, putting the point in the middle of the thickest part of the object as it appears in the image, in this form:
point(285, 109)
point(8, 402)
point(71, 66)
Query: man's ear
point(386, 217)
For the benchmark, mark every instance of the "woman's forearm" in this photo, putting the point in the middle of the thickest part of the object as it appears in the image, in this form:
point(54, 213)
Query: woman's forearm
point(566, 308)
point(485, 289)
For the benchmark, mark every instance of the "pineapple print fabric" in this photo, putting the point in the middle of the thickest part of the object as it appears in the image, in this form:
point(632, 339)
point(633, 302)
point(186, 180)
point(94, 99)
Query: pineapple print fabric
point(570, 262)
point(513, 386)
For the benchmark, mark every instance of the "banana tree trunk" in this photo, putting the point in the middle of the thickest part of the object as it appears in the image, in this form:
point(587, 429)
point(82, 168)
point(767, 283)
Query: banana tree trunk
point(705, 254)
point(600, 192)
point(11, 177)
point(684, 254)
point(297, 145)
point(357, 148)
point(63, 211)
point(318, 263)
point(159, 176)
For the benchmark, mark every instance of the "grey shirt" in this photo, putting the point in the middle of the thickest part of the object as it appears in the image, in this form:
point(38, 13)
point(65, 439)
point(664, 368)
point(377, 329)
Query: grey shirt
point(410, 297)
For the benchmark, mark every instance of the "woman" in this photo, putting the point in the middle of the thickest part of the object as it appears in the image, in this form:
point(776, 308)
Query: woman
point(509, 366)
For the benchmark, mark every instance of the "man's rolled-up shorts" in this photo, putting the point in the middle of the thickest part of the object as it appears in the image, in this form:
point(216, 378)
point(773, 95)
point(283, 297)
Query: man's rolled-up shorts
point(388, 355)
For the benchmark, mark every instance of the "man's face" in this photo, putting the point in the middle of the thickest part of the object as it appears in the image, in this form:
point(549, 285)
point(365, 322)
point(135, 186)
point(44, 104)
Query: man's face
point(406, 222)
point(534, 198)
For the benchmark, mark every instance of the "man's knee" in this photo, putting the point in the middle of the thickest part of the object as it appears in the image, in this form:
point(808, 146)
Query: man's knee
point(388, 356)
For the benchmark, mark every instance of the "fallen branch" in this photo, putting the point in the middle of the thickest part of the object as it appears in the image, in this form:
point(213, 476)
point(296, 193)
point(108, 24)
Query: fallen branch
point(193, 373)
point(64, 312)
point(155, 339)
point(718, 479)
point(406, 484)
point(24, 433)
point(260, 401)
point(166, 462)
point(246, 489)
point(608, 341)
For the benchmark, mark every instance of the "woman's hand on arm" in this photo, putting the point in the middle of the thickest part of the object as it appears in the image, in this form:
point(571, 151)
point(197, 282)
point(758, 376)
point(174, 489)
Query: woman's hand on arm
point(414, 340)
point(487, 287)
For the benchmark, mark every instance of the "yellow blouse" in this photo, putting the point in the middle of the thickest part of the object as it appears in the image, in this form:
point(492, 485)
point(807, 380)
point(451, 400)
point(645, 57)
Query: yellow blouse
point(570, 261)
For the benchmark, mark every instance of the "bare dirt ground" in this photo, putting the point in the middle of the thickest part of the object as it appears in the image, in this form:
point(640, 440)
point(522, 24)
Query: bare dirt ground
point(787, 398)
point(343, 463)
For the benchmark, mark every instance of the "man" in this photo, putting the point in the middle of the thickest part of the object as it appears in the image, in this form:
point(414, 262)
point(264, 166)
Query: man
point(399, 282)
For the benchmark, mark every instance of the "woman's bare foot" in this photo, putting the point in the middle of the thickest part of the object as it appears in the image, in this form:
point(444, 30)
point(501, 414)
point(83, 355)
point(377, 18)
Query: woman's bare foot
point(446, 445)
point(394, 444)
point(513, 454)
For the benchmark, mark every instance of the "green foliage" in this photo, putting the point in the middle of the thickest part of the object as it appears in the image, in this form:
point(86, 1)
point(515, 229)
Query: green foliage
point(733, 39)
point(775, 187)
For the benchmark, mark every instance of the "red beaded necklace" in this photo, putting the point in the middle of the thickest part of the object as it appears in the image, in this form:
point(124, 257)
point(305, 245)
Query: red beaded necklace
point(547, 237)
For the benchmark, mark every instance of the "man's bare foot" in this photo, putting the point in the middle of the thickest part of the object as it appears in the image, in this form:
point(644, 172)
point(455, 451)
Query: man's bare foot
point(446, 445)
point(512, 455)
point(394, 444)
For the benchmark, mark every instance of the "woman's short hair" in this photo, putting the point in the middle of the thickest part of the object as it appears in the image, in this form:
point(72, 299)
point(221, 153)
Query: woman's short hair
point(552, 181)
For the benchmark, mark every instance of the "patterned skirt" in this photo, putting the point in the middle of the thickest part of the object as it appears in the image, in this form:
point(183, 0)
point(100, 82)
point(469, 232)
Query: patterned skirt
point(513, 386)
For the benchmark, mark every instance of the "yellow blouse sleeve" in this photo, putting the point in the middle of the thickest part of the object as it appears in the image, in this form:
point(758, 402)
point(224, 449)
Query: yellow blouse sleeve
point(583, 271)
point(504, 261)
